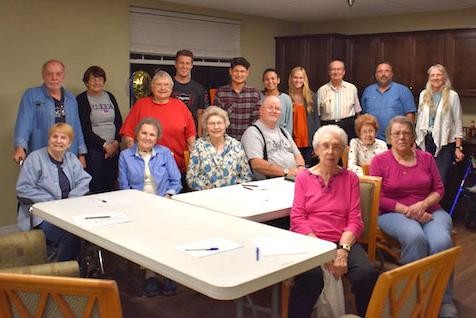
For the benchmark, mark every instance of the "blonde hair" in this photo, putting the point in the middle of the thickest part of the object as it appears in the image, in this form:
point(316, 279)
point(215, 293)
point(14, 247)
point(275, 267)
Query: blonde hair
point(62, 128)
point(445, 92)
point(306, 91)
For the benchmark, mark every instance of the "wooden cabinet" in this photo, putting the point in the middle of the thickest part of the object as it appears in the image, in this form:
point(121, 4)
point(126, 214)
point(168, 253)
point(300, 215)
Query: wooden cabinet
point(311, 52)
point(461, 60)
point(410, 53)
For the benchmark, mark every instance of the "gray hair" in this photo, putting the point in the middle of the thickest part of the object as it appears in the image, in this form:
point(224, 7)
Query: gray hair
point(149, 121)
point(214, 111)
point(403, 120)
point(160, 75)
point(329, 129)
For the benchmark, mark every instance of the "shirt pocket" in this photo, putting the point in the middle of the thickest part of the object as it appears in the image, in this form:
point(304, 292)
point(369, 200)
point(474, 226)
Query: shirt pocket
point(41, 115)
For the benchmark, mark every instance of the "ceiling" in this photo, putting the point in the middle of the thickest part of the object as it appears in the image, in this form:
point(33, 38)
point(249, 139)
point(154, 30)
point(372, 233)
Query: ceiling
point(319, 10)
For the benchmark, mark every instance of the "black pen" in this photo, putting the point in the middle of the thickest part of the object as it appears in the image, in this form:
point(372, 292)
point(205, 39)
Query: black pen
point(202, 249)
point(249, 185)
point(248, 188)
point(97, 217)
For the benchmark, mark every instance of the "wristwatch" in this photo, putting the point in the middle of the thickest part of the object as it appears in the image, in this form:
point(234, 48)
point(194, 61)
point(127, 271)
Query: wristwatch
point(286, 171)
point(344, 247)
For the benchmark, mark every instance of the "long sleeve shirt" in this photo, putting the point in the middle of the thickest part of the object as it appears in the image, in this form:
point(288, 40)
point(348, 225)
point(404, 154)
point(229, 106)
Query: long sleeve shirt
point(406, 185)
point(209, 169)
point(37, 114)
point(39, 182)
point(162, 166)
point(327, 211)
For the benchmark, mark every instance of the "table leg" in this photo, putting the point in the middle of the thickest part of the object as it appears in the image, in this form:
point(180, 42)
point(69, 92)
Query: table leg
point(239, 308)
point(275, 301)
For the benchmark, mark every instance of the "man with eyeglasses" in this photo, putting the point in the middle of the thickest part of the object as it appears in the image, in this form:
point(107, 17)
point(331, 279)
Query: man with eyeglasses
point(42, 107)
point(270, 148)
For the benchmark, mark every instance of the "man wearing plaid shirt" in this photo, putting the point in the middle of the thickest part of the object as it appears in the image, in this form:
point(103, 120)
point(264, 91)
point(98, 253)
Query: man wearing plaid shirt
point(240, 101)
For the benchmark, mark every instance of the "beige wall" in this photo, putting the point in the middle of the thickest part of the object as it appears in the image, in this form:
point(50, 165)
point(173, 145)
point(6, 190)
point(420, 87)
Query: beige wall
point(82, 33)
point(400, 23)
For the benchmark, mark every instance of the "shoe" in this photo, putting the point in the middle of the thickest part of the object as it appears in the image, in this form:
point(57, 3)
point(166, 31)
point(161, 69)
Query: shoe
point(448, 311)
point(169, 288)
point(472, 189)
point(151, 287)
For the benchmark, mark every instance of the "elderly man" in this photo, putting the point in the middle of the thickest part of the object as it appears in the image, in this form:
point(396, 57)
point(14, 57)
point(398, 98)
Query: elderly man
point(387, 99)
point(270, 148)
point(338, 100)
point(40, 108)
point(240, 101)
point(190, 92)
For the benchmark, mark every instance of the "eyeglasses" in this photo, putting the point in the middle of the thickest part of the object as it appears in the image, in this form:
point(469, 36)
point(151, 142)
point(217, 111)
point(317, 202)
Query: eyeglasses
point(215, 123)
point(405, 134)
point(331, 147)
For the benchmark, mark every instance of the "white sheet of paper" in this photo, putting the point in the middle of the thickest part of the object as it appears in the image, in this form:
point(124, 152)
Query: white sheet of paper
point(93, 220)
point(269, 246)
point(212, 242)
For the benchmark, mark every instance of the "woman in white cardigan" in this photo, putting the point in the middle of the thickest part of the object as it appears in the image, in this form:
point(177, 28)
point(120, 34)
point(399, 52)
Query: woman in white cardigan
point(440, 125)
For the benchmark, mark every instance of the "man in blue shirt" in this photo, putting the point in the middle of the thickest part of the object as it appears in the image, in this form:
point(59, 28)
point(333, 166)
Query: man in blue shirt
point(40, 108)
point(387, 99)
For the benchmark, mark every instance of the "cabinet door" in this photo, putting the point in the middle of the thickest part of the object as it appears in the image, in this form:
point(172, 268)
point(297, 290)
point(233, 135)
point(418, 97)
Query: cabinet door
point(290, 52)
point(323, 50)
point(429, 50)
point(362, 57)
point(461, 65)
point(398, 50)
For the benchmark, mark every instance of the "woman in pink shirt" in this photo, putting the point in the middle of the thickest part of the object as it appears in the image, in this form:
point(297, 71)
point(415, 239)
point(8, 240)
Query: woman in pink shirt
point(327, 205)
point(409, 209)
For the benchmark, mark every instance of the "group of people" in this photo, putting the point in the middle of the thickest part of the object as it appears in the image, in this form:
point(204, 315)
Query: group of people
point(250, 134)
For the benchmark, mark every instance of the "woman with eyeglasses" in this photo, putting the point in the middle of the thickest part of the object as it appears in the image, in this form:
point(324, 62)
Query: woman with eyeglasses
point(217, 160)
point(409, 208)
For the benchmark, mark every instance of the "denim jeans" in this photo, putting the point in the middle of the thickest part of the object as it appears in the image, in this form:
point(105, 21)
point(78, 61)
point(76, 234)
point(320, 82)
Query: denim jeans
point(67, 244)
point(420, 240)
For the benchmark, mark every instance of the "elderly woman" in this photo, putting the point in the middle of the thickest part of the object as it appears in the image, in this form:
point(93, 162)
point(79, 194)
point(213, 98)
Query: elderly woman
point(327, 205)
point(439, 126)
point(365, 147)
point(151, 168)
point(147, 166)
point(175, 118)
point(217, 160)
point(409, 209)
point(305, 112)
point(101, 121)
point(52, 173)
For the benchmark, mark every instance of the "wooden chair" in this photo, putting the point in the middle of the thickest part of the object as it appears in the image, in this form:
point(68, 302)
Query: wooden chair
point(415, 289)
point(345, 157)
point(49, 296)
point(186, 156)
point(25, 253)
point(365, 169)
point(369, 204)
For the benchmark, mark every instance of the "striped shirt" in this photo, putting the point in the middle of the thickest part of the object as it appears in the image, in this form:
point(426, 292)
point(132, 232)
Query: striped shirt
point(335, 104)
point(242, 108)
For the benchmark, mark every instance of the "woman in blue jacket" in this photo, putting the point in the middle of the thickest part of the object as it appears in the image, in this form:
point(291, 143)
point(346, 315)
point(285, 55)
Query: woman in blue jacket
point(52, 173)
point(151, 168)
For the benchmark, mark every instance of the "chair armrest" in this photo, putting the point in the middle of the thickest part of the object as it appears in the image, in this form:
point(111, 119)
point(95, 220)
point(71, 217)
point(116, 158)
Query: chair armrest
point(69, 269)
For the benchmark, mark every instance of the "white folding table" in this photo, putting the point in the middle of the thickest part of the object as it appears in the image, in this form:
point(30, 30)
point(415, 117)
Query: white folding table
point(158, 225)
point(258, 201)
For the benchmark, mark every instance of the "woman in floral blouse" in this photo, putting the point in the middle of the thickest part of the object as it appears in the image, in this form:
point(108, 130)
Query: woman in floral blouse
point(364, 148)
point(217, 160)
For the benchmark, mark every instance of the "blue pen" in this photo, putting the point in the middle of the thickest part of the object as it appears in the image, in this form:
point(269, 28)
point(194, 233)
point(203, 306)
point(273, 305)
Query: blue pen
point(257, 254)
point(202, 249)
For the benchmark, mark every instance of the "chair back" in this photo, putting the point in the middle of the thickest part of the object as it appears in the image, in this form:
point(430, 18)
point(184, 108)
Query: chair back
point(365, 169)
point(345, 157)
point(186, 156)
point(22, 249)
point(369, 204)
point(48, 296)
point(415, 289)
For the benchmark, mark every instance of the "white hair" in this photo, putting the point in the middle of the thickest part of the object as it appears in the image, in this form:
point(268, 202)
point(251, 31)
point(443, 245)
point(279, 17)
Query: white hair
point(329, 129)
